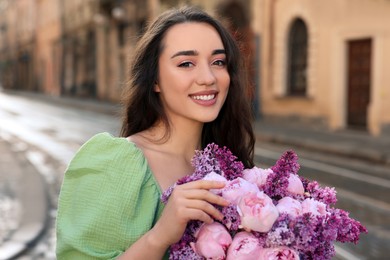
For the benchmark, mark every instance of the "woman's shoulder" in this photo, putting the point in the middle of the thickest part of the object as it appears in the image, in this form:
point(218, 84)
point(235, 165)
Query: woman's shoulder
point(112, 163)
point(105, 153)
point(106, 147)
point(106, 144)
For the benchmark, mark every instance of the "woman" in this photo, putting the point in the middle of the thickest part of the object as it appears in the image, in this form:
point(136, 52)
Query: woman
point(185, 91)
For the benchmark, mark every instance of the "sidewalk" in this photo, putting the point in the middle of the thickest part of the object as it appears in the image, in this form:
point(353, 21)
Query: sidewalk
point(348, 143)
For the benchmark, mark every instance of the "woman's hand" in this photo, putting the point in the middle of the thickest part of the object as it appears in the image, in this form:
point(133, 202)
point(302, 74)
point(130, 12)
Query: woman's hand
point(189, 201)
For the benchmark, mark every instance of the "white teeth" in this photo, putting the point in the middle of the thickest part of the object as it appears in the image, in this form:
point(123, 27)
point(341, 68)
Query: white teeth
point(204, 97)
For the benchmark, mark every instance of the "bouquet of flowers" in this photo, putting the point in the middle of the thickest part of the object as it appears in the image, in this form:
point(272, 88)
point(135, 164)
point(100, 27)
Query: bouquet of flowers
point(273, 213)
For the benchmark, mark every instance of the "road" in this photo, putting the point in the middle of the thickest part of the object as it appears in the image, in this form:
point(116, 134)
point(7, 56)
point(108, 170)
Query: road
point(50, 133)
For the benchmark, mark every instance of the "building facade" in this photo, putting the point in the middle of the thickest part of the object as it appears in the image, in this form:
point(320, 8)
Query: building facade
point(17, 44)
point(326, 62)
point(320, 62)
point(48, 48)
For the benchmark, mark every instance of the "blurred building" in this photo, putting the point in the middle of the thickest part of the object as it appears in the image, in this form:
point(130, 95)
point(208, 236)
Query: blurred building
point(17, 44)
point(320, 62)
point(76, 48)
point(325, 61)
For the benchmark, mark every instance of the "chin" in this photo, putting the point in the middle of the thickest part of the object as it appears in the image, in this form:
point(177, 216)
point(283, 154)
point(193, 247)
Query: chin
point(208, 119)
point(206, 116)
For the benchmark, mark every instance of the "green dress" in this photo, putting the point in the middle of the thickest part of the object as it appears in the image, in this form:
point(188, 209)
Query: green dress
point(108, 200)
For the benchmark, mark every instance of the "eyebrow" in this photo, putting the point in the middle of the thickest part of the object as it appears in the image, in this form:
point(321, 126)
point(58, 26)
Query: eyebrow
point(195, 53)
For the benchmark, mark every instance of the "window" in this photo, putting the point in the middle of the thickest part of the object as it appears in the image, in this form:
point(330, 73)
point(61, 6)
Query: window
point(297, 59)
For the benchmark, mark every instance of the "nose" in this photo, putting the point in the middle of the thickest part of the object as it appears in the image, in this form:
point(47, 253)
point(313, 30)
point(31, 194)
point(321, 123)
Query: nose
point(205, 75)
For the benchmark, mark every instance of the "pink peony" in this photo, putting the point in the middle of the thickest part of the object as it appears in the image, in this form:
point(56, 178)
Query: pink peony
point(278, 253)
point(212, 241)
point(295, 185)
point(314, 207)
point(236, 188)
point(213, 176)
point(257, 212)
point(256, 175)
point(245, 246)
point(290, 206)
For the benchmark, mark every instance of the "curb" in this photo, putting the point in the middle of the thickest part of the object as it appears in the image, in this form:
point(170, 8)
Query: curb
point(34, 199)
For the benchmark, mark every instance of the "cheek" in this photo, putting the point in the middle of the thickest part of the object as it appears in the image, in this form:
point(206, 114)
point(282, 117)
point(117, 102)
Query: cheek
point(225, 82)
point(224, 78)
point(172, 81)
point(172, 92)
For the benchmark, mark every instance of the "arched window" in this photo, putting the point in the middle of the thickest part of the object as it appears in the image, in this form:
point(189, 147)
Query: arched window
point(297, 59)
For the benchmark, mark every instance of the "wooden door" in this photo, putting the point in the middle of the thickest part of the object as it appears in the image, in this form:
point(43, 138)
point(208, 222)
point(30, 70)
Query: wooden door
point(359, 81)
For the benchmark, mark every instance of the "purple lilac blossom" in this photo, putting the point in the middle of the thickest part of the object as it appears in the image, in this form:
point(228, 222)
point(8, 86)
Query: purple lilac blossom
point(231, 168)
point(281, 233)
point(277, 182)
point(348, 228)
point(211, 159)
point(232, 219)
point(205, 161)
point(287, 163)
point(182, 251)
point(165, 195)
point(326, 195)
point(276, 186)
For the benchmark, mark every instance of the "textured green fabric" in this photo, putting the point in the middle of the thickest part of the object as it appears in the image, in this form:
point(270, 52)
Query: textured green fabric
point(109, 198)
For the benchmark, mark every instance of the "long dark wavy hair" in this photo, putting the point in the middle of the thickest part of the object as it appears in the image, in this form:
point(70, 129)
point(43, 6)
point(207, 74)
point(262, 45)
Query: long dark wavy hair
point(142, 105)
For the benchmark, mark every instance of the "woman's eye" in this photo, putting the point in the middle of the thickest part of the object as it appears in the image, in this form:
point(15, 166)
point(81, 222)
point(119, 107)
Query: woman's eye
point(186, 64)
point(220, 63)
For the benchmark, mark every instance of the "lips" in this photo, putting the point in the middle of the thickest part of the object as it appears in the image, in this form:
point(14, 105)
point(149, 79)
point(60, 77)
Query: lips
point(204, 98)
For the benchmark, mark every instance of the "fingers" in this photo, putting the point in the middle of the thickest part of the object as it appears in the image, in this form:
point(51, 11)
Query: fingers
point(200, 190)
point(195, 214)
point(192, 198)
point(204, 184)
point(204, 195)
point(206, 208)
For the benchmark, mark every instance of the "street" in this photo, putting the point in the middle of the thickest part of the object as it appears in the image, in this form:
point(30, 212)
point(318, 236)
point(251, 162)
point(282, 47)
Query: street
point(48, 133)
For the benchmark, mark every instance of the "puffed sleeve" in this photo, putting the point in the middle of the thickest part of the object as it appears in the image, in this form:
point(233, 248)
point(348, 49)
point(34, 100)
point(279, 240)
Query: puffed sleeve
point(108, 200)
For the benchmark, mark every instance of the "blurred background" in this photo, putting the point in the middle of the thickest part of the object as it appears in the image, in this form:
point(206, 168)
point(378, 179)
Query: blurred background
point(318, 82)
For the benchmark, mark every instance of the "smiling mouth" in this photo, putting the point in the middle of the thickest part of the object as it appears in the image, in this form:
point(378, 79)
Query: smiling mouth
point(204, 97)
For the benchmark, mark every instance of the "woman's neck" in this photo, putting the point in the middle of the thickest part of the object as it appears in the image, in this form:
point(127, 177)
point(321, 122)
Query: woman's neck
point(182, 140)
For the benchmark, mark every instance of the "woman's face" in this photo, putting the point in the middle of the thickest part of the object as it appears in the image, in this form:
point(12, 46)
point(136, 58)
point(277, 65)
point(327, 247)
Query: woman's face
point(193, 80)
